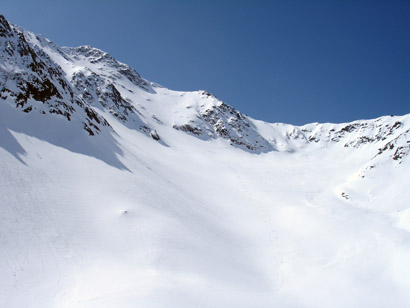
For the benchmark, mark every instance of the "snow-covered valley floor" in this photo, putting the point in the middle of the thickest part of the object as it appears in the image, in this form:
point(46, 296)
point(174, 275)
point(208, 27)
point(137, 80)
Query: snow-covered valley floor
point(136, 223)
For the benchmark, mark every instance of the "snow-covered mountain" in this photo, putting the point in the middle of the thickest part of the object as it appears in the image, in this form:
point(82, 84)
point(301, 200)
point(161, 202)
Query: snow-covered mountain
point(118, 192)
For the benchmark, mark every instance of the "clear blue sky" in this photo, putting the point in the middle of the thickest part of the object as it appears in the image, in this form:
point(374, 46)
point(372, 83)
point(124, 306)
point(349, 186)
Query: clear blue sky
point(279, 61)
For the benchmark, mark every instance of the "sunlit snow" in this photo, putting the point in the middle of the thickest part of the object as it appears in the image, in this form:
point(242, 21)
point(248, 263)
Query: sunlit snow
point(313, 216)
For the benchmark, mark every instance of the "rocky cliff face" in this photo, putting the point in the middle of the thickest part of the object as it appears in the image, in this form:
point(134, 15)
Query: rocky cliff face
point(32, 81)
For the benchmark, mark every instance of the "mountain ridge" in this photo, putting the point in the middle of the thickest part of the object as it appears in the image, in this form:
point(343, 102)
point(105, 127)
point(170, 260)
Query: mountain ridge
point(98, 83)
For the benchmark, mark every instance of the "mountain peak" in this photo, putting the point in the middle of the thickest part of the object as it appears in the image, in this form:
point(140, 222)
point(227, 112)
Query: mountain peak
point(5, 28)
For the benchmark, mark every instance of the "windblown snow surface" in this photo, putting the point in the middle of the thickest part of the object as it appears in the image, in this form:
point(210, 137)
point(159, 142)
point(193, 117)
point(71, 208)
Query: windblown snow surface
point(178, 200)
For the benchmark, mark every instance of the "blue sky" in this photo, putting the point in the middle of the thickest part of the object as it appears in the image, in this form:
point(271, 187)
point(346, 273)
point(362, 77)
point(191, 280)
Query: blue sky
point(279, 61)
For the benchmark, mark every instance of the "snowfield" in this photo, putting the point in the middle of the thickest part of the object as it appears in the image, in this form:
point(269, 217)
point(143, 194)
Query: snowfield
point(117, 192)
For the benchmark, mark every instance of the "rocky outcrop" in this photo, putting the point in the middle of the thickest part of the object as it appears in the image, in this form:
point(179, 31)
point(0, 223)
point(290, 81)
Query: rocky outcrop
point(218, 119)
point(33, 82)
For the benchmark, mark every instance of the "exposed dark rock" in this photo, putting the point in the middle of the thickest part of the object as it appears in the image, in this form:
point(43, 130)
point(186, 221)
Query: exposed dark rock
point(154, 135)
point(196, 131)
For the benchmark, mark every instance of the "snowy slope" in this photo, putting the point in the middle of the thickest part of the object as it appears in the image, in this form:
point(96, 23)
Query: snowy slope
point(118, 192)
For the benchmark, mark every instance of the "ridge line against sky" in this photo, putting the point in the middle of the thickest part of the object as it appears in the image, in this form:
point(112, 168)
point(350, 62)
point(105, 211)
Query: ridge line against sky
point(279, 61)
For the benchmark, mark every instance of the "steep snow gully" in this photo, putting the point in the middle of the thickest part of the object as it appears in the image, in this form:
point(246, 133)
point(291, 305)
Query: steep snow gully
point(118, 192)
